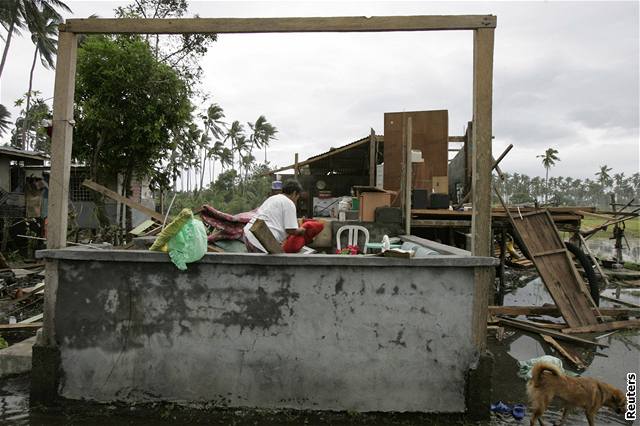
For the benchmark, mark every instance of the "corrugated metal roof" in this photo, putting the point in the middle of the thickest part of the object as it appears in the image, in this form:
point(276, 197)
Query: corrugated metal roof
point(8, 151)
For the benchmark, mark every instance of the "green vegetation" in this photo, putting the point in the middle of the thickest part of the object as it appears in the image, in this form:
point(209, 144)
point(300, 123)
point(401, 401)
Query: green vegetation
point(631, 230)
point(566, 191)
point(229, 194)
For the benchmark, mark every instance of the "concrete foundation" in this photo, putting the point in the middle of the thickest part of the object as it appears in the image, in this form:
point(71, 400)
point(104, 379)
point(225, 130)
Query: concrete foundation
point(16, 358)
point(323, 332)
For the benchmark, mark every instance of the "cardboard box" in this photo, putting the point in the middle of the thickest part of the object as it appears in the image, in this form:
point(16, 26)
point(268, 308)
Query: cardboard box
point(440, 184)
point(369, 201)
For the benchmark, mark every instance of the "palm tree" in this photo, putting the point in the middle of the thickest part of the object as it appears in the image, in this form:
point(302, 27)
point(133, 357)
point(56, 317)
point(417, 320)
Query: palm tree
point(18, 14)
point(549, 159)
point(263, 133)
point(4, 120)
point(213, 125)
point(235, 131)
point(46, 42)
point(603, 176)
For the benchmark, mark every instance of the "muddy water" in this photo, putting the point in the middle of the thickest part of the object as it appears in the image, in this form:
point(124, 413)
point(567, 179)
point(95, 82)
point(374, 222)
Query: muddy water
point(605, 249)
point(609, 364)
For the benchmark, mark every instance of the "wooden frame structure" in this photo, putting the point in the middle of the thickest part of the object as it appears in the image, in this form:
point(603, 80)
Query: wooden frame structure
point(483, 27)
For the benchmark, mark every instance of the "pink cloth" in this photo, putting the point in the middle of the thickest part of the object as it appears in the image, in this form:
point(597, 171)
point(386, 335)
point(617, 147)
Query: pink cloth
point(229, 227)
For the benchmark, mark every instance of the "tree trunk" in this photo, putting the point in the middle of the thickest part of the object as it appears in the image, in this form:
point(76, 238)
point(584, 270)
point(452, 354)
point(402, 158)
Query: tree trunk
point(25, 142)
point(6, 46)
point(98, 199)
point(546, 184)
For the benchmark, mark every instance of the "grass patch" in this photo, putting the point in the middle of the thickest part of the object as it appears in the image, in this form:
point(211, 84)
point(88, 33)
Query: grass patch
point(631, 230)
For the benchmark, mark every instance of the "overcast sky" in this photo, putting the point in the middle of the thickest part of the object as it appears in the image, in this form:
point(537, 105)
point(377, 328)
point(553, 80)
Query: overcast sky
point(566, 75)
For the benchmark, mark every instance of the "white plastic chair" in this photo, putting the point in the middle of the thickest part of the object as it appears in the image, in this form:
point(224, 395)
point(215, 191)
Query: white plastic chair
point(352, 239)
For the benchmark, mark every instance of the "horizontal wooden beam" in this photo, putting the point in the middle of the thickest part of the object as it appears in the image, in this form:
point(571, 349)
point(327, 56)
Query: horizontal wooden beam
point(553, 310)
point(439, 223)
point(278, 25)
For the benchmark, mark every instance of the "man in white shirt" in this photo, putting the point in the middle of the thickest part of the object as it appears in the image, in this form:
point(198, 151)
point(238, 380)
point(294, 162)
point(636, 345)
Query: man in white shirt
point(279, 214)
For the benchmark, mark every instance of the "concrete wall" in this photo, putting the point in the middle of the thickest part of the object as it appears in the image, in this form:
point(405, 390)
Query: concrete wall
point(281, 331)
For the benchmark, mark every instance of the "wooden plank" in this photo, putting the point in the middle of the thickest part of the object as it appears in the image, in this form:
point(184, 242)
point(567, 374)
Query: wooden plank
point(18, 327)
point(33, 319)
point(124, 200)
point(524, 325)
point(266, 238)
point(572, 358)
point(549, 252)
point(606, 326)
point(278, 25)
point(61, 141)
point(553, 310)
point(457, 139)
point(622, 302)
point(440, 223)
point(483, 40)
point(373, 154)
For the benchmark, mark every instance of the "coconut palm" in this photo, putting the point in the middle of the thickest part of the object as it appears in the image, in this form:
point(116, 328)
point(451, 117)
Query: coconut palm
point(214, 126)
point(603, 176)
point(46, 42)
point(262, 133)
point(233, 134)
point(19, 14)
point(549, 159)
point(4, 120)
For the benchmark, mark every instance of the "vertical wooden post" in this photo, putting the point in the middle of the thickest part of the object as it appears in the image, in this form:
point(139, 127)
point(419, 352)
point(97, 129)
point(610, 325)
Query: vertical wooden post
point(61, 142)
point(408, 177)
point(295, 166)
point(481, 182)
point(373, 154)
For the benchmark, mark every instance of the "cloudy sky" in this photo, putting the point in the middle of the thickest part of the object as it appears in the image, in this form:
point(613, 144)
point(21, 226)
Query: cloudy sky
point(566, 75)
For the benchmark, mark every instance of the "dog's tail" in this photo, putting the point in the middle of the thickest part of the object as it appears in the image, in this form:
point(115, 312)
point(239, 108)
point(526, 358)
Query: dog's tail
point(539, 369)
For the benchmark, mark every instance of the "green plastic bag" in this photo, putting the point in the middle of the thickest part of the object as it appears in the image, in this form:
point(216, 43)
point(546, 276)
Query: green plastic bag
point(189, 244)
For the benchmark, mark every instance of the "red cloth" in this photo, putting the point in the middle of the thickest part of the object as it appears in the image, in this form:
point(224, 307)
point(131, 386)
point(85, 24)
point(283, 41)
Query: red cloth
point(294, 243)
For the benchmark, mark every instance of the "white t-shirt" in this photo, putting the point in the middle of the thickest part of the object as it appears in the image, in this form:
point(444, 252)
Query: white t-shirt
point(279, 214)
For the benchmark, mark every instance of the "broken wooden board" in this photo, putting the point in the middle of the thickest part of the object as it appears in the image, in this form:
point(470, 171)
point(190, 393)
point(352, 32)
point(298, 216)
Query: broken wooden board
point(571, 357)
point(620, 301)
point(553, 311)
point(124, 200)
point(542, 242)
point(26, 326)
point(266, 238)
point(606, 326)
point(525, 325)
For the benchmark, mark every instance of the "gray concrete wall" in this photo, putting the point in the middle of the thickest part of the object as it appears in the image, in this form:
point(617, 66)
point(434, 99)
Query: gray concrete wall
point(281, 331)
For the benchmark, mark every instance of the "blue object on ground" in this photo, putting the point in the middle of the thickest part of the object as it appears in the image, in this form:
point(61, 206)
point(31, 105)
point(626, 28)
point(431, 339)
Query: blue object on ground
point(500, 407)
point(518, 411)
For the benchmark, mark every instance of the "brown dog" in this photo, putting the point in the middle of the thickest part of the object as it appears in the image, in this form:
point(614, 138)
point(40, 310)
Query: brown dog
point(548, 381)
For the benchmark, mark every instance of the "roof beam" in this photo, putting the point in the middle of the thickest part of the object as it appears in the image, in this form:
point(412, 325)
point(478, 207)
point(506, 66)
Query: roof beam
point(277, 25)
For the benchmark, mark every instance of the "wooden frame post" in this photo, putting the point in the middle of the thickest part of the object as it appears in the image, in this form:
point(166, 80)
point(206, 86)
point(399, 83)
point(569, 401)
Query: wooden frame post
point(408, 183)
point(373, 157)
point(481, 182)
point(61, 143)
